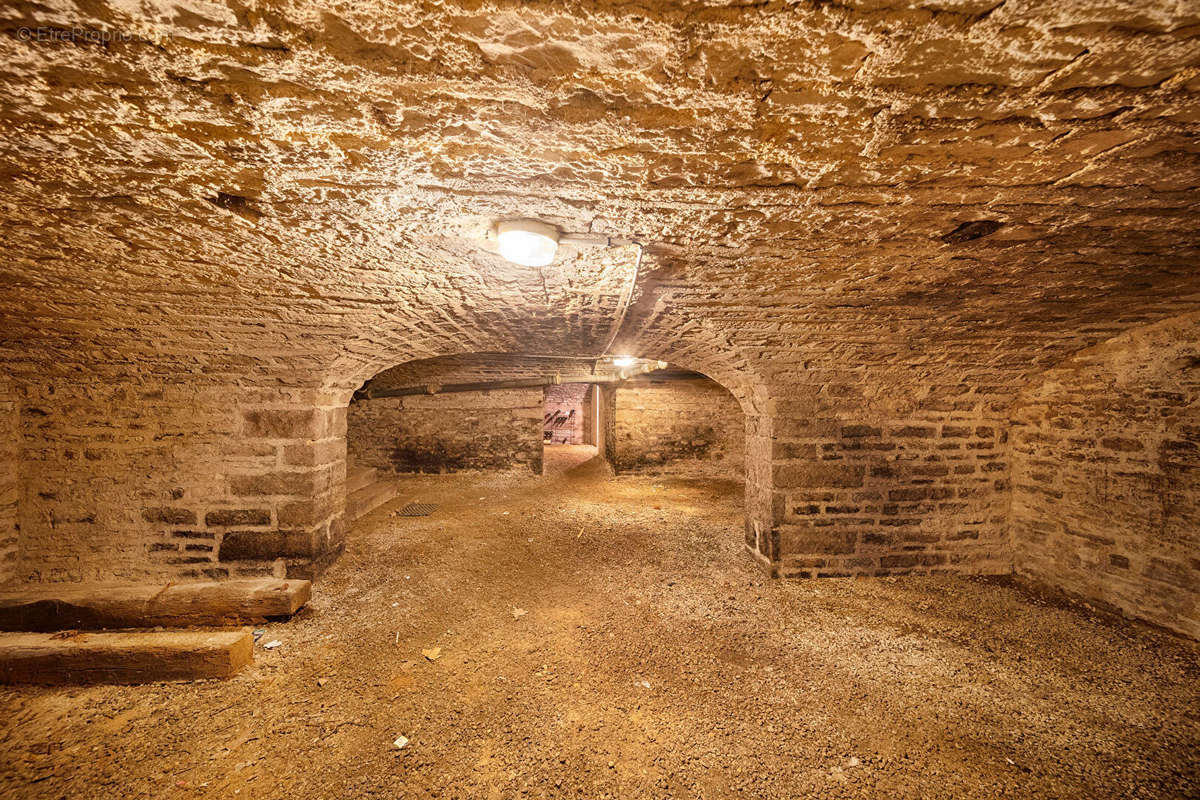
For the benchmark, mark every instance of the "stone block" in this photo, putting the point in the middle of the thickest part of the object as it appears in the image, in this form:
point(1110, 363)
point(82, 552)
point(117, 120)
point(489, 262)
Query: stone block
point(818, 475)
point(859, 431)
point(1121, 444)
point(914, 432)
point(265, 545)
point(793, 450)
point(230, 517)
point(287, 423)
point(273, 483)
point(312, 454)
point(805, 428)
point(169, 516)
point(808, 540)
point(305, 513)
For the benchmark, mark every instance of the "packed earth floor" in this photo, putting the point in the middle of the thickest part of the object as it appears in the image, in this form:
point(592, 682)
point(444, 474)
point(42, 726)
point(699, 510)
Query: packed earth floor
point(579, 635)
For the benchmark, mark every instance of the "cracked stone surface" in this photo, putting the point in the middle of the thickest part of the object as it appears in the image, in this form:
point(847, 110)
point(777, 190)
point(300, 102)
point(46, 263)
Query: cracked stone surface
point(298, 191)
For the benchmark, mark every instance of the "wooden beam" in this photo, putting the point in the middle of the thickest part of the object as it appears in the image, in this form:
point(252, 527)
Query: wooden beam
point(91, 606)
point(81, 658)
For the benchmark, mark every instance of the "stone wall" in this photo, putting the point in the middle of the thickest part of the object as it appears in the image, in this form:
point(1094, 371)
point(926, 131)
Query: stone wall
point(605, 397)
point(492, 430)
point(678, 425)
point(858, 490)
point(568, 413)
point(591, 423)
point(180, 481)
point(1106, 476)
point(9, 480)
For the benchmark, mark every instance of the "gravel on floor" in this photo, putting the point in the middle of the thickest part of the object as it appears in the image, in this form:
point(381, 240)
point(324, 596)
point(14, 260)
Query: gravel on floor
point(583, 636)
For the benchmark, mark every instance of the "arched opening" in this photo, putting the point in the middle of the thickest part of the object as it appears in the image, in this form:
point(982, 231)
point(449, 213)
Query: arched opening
point(530, 417)
point(571, 426)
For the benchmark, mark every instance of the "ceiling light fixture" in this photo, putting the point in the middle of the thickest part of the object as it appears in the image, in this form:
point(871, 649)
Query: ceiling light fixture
point(528, 242)
point(533, 243)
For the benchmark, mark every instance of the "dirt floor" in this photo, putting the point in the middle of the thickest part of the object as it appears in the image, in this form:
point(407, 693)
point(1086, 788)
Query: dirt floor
point(575, 635)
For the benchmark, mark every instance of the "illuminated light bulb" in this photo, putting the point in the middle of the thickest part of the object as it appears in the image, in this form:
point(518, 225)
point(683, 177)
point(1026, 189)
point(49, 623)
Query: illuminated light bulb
point(624, 361)
point(527, 242)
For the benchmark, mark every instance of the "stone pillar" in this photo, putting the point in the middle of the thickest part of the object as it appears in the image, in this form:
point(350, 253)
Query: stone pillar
point(761, 533)
point(590, 420)
point(606, 403)
point(288, 509)
point(10, 453)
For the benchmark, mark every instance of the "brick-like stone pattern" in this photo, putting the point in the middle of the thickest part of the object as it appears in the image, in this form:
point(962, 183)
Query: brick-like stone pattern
point(493, 430)
point(1106, 476)
point(568, 414)
point(176, 480)
point(880, 494)
point(9, 480)
point(678, 425)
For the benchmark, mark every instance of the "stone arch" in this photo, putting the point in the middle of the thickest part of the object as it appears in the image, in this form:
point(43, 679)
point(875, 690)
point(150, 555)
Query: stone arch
point(655, 327)
point(694, 346)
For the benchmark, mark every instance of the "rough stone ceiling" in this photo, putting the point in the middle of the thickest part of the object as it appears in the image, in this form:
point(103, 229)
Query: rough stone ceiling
point(298, 189)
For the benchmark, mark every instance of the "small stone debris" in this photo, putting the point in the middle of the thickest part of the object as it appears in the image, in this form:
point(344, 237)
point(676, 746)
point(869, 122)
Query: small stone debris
point(401, 742)
point(432, 654)
point(518, 612)
point(271, 645)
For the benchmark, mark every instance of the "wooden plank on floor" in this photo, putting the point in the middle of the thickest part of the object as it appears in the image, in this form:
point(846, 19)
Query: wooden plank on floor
point(123, 657)
point(92, 606)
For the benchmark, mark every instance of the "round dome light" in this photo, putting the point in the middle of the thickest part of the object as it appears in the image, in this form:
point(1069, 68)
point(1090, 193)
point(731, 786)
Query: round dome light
point(527, 242)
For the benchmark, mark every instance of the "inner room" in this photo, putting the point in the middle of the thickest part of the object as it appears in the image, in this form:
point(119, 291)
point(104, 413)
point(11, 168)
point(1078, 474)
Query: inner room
point(690, 399)
point(570, 425)
point(508, 413)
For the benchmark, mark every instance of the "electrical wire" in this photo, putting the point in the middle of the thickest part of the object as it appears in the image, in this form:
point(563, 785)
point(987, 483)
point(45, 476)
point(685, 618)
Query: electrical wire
point(623, 304)
point(625, 301)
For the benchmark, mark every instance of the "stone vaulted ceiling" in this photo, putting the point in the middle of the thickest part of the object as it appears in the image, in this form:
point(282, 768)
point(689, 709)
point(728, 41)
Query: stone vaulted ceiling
point(300, 190)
